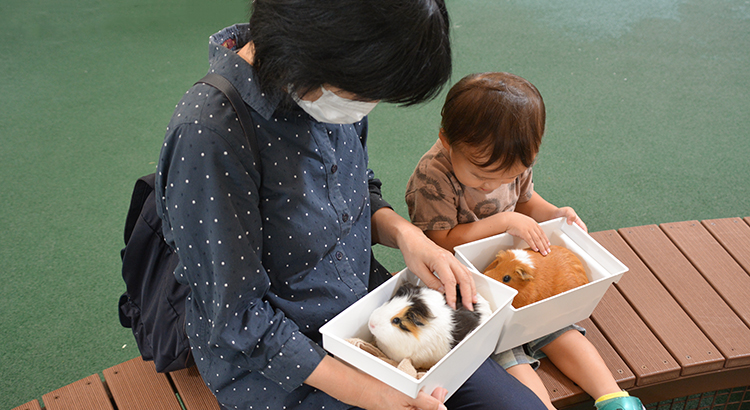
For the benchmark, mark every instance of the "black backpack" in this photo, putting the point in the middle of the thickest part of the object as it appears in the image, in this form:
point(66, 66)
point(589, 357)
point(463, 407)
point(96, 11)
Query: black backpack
point(153, 305)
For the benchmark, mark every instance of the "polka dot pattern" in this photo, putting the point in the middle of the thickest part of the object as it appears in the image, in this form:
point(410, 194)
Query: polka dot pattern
point(268, 260)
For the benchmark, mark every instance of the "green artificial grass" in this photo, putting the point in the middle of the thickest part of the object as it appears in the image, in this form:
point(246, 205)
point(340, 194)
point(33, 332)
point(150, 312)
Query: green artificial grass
point(647, 105)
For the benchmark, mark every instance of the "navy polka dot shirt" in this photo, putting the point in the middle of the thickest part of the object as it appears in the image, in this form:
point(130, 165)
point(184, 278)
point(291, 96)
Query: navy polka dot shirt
point(270, 257)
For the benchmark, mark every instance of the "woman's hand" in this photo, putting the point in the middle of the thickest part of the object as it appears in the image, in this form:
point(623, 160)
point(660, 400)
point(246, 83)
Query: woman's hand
point(391, 398)
point(425, 258)
point(356, 388)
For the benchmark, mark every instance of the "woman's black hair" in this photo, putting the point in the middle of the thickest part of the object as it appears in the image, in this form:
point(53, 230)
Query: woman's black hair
point(391, 50)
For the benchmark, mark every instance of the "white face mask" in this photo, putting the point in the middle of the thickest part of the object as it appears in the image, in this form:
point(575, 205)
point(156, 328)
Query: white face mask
point(332, 109)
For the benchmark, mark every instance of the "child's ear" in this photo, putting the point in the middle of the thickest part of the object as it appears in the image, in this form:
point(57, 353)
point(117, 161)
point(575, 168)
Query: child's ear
point(444, 140)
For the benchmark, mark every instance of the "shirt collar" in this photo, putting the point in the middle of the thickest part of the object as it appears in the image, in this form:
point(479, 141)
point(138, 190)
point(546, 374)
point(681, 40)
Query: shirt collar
point(223, 60)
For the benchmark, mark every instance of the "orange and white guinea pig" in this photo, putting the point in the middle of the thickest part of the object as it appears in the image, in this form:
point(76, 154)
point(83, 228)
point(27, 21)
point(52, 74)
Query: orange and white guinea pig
point(418, 324)
point(537, 277)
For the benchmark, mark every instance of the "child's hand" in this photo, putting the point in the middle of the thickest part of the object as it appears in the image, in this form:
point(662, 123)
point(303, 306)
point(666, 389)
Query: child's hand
point(524, 227)
point(571, 217)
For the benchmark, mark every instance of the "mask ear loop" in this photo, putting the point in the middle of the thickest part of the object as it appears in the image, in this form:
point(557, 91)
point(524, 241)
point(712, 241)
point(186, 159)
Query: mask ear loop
point(333, 109)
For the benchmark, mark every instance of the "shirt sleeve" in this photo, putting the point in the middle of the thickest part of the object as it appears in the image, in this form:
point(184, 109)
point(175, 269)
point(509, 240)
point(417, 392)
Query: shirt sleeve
point(211, 203)
point(374, 185)
point(526, 185)
point(376, 197)
point(431, 197)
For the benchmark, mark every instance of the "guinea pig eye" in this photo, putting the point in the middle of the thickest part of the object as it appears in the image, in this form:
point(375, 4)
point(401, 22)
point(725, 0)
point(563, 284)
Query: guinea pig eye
point(396, 321)
point(506, 278)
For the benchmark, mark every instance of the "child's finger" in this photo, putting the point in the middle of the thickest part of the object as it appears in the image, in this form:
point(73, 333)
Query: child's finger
point(581, 224)
point(541, 243)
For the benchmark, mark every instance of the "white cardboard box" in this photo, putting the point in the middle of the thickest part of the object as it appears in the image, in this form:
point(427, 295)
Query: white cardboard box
point(450, 372)
point(547, 316)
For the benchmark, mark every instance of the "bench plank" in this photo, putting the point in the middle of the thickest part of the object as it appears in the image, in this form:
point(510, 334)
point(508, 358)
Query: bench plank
point(694, 384)
point(32, 405)
point(633, 340)
point(562, 391)
point(88, 393)
point(193, 391)
point(728, 278)
point(135, 384)
point(620, 370)
point(705, 307)
point(661, 313)
point(734, 235)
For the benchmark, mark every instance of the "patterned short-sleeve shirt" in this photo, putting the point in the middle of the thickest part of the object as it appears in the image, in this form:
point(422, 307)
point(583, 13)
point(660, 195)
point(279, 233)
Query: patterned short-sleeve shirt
point(438, 201)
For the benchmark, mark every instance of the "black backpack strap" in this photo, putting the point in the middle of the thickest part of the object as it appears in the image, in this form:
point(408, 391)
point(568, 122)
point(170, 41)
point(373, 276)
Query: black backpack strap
point(143, 188)
point(222, 84)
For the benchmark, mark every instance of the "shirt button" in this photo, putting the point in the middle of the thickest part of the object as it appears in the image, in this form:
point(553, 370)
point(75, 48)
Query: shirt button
point(334, 168)
point(345, 217)
point(339, 255)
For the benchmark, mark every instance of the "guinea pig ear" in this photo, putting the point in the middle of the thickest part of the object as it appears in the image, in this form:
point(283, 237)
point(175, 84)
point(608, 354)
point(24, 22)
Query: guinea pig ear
point(495, 262)
point(493, 265)
point(523, 274)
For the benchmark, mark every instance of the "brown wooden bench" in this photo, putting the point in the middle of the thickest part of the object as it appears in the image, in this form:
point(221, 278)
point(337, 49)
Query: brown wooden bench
point(133, 385)
point(677, 324)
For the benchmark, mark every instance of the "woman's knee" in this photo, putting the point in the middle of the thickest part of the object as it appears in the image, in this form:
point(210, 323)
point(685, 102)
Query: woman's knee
point(491, 387)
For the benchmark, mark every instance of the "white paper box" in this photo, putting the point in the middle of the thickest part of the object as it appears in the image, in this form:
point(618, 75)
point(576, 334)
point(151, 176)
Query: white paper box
point(450, 372)
point(549, 315)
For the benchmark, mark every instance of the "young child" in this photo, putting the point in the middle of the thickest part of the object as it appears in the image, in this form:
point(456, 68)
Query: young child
point(476, 181)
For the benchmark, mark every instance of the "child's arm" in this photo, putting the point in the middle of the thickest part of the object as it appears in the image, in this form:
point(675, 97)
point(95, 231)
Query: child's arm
point(524, 224)
point(514, 223)
point(541, 210)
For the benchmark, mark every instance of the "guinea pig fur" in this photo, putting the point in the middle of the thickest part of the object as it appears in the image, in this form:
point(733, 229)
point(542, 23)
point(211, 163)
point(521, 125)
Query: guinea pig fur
point(418, 324)
point(537, 277)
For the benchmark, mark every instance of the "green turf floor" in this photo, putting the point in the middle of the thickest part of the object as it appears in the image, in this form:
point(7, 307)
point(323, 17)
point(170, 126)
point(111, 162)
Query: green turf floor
point(648, 110)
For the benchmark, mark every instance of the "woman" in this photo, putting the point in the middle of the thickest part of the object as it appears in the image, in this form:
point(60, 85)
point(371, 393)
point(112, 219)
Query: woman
point(270, 256)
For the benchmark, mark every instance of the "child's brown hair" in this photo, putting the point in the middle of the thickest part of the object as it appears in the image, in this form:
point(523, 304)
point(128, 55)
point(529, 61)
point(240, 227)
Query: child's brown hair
point(500, 114)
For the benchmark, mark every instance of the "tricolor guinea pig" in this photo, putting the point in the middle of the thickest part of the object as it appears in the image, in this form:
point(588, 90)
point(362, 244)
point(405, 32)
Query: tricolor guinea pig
point(418, 324)
point(537, 277)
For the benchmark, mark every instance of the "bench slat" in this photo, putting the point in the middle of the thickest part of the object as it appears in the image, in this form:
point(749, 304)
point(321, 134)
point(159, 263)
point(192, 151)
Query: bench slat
point(563, 392)
point(135, 384)
point(734, 235)
point(728, 278)
point(620, 370)
point(705, 307)
point(694, 384)
point(32, 405)
point(661, 313)
point(193, 391)
point(88, 393)
point(633, 340)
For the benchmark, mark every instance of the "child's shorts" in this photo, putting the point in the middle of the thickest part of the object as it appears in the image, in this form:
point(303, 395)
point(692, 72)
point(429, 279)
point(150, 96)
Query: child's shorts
point(531, 352)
